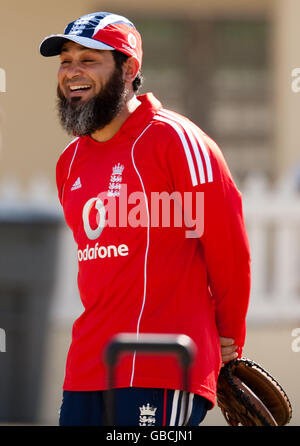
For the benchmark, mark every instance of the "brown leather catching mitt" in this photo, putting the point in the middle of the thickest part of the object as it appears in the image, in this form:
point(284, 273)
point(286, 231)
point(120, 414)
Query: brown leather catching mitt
point(250, 396)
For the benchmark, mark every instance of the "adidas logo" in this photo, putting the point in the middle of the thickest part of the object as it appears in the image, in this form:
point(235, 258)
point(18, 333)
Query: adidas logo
point(77, 184)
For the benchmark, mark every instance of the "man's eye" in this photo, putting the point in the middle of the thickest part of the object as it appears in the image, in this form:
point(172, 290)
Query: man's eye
point(88, 60)
point(64, 62)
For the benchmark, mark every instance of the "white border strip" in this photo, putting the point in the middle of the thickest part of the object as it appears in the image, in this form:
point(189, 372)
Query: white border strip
point(70, 167)
point(146, 252)
point(75, 151)
point(196, 132)
point(174, 407)
point(109, 20)
point(192, 139)
point(185, 146)
point(182, 408)
point(190, 407)
point(189, 127)
point(70, 144)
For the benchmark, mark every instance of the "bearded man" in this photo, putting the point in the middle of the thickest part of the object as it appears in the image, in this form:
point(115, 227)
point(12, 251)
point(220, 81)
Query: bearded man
point(143, 276)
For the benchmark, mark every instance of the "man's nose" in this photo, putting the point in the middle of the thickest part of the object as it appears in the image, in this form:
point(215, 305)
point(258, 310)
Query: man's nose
point(74, 70)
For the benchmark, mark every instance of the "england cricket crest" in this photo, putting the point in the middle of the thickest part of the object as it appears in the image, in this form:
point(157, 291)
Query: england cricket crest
point(115, 181)
point(147, 415)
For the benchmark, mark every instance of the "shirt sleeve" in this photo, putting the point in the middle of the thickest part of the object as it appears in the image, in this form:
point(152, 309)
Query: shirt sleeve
point(227, 257)
point(224, 238)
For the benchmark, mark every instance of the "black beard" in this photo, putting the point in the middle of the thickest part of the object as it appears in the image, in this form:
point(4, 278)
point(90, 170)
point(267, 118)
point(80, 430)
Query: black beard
point(84, 118)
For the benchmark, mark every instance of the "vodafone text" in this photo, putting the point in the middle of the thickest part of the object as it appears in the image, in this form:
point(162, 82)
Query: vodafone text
point(101, 252)
point(161, 209)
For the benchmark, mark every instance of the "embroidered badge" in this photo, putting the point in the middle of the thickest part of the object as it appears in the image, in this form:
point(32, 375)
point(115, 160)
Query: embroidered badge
point(115, 181)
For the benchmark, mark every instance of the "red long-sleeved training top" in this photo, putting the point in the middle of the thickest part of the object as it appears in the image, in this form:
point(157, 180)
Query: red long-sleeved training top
point(162, 248)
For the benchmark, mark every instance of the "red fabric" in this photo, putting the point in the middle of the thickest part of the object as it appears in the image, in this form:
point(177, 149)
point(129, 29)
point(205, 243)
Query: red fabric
point(123, 38)
point(150, 278)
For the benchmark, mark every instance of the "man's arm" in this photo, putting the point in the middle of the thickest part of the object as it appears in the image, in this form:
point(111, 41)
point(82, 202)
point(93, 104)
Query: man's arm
point(227, 258)
point(224, 240)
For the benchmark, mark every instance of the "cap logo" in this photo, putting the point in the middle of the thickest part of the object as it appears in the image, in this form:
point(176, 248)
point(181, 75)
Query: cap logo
point(81, 25)
point(132, 40)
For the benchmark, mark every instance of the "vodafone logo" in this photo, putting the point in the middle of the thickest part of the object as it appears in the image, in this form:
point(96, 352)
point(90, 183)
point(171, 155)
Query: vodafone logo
point(132, 40)
point(93, 234)
point(98, 252)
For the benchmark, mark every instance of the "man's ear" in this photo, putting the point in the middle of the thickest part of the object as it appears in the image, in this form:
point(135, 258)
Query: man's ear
point(130, 69)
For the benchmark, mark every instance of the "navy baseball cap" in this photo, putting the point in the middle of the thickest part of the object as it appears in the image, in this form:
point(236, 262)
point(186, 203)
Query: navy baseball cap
point(99, 30)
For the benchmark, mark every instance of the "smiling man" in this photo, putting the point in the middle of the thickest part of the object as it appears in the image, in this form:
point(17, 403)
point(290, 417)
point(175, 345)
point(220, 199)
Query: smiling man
point(92, 90)
point(146, 278)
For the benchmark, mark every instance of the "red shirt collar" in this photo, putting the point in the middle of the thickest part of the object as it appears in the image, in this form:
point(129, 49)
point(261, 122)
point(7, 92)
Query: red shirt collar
point(138, 120)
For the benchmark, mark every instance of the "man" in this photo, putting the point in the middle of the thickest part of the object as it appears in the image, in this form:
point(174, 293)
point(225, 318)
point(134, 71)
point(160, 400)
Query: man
point(140, 271)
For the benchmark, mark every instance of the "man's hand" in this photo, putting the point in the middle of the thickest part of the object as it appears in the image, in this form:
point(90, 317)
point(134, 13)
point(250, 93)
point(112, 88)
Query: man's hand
point(228, 349)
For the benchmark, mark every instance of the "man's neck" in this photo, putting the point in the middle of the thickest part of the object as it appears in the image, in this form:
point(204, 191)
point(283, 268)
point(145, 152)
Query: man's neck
point(114, 126)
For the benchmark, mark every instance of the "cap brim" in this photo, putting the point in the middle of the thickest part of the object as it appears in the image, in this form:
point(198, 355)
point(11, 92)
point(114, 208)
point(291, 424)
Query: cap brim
point(51, 45)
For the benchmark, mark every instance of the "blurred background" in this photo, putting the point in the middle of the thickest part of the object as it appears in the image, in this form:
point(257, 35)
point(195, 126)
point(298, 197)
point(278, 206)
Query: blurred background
point(230, 66)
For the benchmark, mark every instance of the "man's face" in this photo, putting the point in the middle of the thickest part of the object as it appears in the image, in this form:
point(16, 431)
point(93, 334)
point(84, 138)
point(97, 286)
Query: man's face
point(90, 90)
point(83, 67)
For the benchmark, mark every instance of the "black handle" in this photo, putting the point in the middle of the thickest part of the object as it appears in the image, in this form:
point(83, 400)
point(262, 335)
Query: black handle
point(181, 345)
